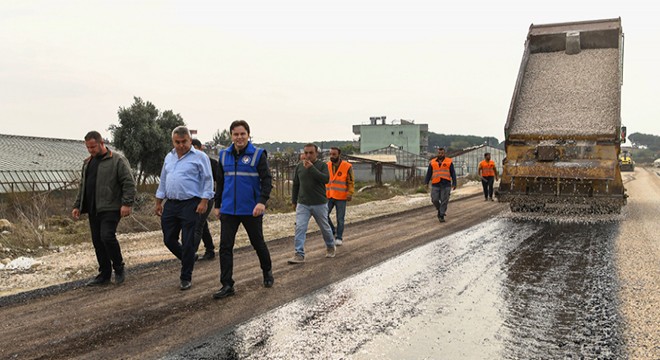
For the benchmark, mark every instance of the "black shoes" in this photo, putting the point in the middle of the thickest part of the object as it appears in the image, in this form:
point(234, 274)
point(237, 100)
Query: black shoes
point(185, 284)
point(209, 255)
point(441, 218)
point(268, 279)
point(99, 280)
point(120, 276)
point(224, 291)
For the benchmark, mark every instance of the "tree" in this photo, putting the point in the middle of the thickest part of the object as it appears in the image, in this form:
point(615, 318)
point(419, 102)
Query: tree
point(222, 138)
point(144, 136)
point(349, 149)
point(650, 141)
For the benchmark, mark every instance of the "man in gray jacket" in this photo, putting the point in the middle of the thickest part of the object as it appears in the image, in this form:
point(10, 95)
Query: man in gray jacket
point(309, 199)
point(106, 193)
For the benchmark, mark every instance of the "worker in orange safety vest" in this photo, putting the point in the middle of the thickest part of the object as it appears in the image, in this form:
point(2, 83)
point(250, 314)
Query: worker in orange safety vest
point(488, 172)
point(339, 190)
point(442, 176)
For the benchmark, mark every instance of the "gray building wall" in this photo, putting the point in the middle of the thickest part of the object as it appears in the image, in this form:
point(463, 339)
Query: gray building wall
point(407, 136)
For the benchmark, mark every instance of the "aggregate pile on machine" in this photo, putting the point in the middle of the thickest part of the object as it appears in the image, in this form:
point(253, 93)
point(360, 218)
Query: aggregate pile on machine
point(563, 131)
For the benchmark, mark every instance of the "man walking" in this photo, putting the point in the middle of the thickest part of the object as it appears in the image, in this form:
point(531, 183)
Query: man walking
point(186, 183)
point(443, 180)
point(488, 173)
point(106, 193)
point(243, 188)
point(202, 232)
point(338, 191)
point(309, 199)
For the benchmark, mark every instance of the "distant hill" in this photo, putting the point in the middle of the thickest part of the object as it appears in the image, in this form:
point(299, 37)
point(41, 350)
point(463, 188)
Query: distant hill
point(449, 142)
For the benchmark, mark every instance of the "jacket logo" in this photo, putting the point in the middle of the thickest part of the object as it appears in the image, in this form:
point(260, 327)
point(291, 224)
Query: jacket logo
point(339, 173)
point(245, 159)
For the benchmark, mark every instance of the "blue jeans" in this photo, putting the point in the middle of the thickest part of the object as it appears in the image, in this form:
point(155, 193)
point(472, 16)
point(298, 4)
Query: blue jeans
point(303, 214)
point(341, 213)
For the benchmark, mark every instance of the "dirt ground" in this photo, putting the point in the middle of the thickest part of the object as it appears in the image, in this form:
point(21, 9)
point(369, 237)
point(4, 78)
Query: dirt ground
point(74, 321)
point(76, 262)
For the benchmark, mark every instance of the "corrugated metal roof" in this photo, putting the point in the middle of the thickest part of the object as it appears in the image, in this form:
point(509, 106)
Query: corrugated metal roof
point(20, 153)
point(29, 163)
point(376, 157)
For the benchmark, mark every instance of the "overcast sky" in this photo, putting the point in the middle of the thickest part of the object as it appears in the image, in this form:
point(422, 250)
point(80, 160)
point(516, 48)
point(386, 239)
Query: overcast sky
point(295, 70)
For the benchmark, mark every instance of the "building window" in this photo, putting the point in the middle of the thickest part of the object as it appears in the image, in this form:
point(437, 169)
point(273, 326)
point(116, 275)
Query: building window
point(392, 132)
point(401, 132)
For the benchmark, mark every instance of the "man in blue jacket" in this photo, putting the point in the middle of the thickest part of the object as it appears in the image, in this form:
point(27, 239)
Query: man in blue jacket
point(243, 187)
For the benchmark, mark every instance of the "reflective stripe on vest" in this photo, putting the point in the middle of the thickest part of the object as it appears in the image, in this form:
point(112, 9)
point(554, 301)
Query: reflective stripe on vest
point(337, 188)
point(440, 171)
point(487, 168)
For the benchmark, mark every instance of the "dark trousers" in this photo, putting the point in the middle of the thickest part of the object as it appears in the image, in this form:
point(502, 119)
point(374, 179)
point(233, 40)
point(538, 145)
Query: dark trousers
point(181, 217)
point(488, 186)
point(202, 231)
point(228, 228)
point(103, 226)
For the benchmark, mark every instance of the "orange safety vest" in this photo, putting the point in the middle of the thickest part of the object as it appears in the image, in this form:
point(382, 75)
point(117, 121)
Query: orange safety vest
point(487, 168)
point(440, 171)
point(337, 188)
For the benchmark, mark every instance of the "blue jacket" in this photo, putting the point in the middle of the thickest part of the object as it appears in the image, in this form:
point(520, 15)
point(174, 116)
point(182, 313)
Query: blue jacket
point(242, 186)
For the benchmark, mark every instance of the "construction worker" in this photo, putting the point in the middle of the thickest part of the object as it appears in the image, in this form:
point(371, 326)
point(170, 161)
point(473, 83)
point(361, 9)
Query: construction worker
point(338, 191)
point(488, 173)
point(443, 180)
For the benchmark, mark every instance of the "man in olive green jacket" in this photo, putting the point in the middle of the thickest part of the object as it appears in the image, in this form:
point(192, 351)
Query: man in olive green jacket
point(106, 193)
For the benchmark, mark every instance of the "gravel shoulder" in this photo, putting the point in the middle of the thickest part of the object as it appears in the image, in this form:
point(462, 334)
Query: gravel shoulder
point(638, 265)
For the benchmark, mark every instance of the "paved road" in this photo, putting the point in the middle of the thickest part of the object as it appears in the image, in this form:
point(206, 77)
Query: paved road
point(501, 289)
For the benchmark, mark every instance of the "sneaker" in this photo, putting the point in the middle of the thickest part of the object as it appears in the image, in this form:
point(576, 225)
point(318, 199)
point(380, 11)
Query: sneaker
point(338, 242)
point(297, 259)
point(99, 280)
point(330, 252)
point(185, 284)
